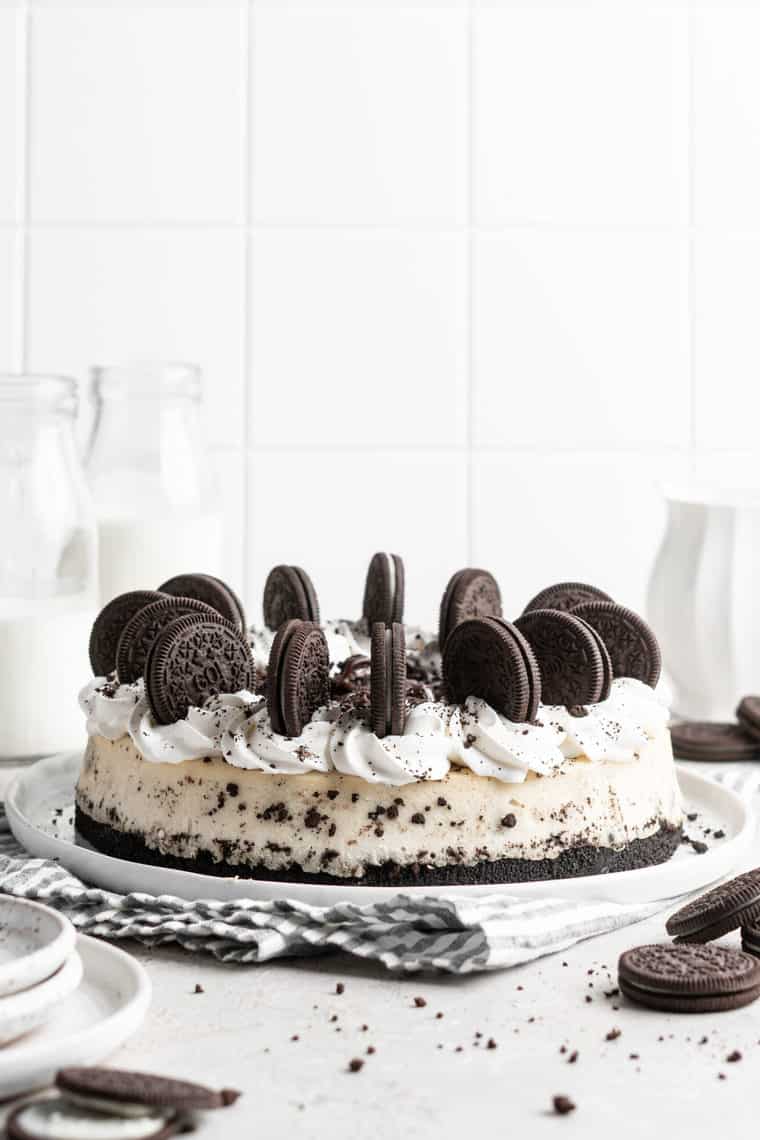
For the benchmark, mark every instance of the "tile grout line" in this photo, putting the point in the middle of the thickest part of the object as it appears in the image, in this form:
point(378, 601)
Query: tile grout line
point(247, 286)
point(692, 272)
point(470, 302)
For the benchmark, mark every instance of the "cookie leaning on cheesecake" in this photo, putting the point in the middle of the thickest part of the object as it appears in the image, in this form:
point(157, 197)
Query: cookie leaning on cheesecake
point(374, 754)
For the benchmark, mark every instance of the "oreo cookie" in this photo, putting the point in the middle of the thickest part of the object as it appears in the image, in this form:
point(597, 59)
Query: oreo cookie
point(193, 658)
point(689, 978)
point(298, 676)
point(569, 657)
point(470, 593)
point(633, 648)
point(108, 625)
point(722, 909)
point(127, 1092)
point(566, 596)
point(143, 628)
point(384, 590)
point(490, 658)
point(213, 591)
point(713, 741)
point(388, 679)
point(751, 939)
point(748, 716)
point(289, 595)
point(57, 1118)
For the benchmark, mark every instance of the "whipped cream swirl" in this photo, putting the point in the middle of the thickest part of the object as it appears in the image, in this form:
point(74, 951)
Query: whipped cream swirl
point(236, 727)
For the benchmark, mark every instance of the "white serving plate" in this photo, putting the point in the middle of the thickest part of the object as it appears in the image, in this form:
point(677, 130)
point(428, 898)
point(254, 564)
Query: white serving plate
point(108, 1005)
point(28, 1009)
point(37, 795)
point(35, 941)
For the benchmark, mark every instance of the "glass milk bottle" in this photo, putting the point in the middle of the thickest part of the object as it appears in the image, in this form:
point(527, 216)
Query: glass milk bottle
point(48, 571)
point(157, 510)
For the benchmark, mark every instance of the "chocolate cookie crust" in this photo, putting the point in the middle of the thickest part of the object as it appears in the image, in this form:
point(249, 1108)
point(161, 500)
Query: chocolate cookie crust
point(570, 863)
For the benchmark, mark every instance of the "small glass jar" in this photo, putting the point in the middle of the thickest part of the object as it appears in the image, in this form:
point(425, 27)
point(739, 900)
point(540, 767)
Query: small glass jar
point(48, 568)
point(158, 513)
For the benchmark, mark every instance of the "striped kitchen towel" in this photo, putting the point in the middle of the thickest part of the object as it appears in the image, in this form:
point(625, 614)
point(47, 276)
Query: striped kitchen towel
point(456, 935)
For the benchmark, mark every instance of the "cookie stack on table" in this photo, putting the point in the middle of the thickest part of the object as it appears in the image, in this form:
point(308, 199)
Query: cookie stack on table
point(693, 974)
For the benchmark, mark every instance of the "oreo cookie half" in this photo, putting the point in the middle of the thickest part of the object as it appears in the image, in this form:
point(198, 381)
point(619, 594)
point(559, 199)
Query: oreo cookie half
point(470, 593)
point(384, 590)
point(298, 676)
point(127, 1092)
point(388, 679)
point(193, 658)
point(713, 741)
point(569, 658)
point(689, 978)
point(143, 628)
point(748, 716)
point(213, 591)
point(58, 1118)
point(108, 625)
point(289, 595)
point(489, 658)
point(566, 596)
point(632, 646)
point(722, 909)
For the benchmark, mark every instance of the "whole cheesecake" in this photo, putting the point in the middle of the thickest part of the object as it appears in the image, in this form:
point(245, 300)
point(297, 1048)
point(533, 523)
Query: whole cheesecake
point(461, 795)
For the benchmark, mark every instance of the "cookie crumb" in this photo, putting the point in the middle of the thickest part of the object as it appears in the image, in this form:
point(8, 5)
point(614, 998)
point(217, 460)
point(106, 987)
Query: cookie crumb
point(734, 1056)
point(340, 988)
point(420, 1002)
point(355, 1064)
point(198, 988)
point(562, 1105)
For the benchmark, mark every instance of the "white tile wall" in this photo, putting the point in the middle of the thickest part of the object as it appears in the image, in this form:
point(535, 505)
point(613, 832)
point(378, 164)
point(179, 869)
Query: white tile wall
point(466, 278)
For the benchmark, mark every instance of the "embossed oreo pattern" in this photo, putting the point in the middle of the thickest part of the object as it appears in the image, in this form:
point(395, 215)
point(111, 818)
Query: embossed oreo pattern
point(470, 593)
point(568, 656)
point(143, 628)
point(689, 969)
point(566, 596)
point(489, 658)
point(632, 646)
point(724, 908)
point(109, 623)
point(194, 658)
point(287, 598)
point(213, 591)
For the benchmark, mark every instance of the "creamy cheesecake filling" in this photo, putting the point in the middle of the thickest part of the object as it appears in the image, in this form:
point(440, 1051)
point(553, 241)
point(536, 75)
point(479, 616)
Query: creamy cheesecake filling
point(340, 823)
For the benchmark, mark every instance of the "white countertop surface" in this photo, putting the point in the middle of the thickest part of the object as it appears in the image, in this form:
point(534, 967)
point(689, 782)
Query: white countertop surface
point(239, 1032)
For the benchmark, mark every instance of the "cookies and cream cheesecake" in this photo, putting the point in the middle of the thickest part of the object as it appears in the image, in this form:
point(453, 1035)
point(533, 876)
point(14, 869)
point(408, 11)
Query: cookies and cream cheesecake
point(526, 750)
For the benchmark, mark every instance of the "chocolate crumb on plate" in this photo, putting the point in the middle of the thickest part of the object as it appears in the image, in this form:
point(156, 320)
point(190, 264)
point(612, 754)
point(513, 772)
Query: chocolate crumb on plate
point(562, 1105)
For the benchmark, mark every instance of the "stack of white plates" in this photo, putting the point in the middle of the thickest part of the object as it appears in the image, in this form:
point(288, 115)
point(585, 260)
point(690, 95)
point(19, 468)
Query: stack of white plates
point(39, 965)
point(65, 999)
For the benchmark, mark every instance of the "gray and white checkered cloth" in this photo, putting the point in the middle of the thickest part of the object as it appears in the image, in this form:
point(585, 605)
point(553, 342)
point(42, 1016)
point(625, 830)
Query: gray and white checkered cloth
point(407, 933)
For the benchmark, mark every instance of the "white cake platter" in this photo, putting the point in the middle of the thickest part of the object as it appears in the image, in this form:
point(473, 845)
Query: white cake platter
point(40, 809)
point(106, 1008)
